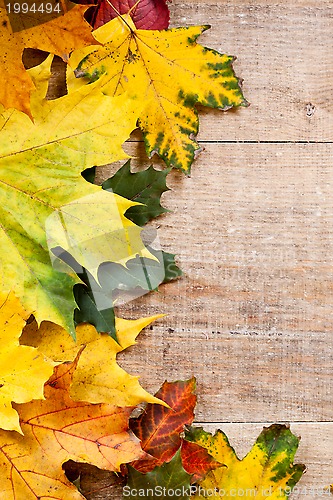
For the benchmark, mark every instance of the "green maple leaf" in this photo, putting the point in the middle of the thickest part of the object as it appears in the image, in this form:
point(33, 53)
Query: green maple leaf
point(145, 187)
point(95, 300)
point(46, 203)
point(169, 480)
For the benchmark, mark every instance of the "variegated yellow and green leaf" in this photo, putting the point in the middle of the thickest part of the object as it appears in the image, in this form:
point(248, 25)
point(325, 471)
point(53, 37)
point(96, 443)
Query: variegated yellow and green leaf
point(169, 72)
point(267, 472)
point(46, 203)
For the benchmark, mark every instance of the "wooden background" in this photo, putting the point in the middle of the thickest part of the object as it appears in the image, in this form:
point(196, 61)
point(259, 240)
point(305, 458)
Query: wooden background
point(252, 229)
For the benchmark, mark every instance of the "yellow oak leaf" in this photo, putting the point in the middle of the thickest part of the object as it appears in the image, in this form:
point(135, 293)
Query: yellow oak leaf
point(46, 203)
point(167, 70)
point(267, 472)
point(57, 430)
point(98, 378)
point(23, 369)
point(58, 36)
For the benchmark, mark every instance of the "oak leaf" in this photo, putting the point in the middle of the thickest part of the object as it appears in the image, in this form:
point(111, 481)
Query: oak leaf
point(169, 72)
point(267, 471)
point(97, 378)
point(46, 203)
point(146, 14)
point(23, 370)
point(57, 430)
point(58, 36)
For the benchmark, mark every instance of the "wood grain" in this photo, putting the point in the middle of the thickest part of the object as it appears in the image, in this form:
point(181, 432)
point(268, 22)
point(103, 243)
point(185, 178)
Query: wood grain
point(285, 57)
point(252, 318)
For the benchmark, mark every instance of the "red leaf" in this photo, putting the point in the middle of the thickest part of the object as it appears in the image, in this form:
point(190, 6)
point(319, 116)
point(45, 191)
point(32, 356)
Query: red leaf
point(159, 428)
point(147, 15)
point(197, 461)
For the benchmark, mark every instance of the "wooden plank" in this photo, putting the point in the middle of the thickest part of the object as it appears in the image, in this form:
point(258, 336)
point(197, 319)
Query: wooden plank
point(252, 318)
point(315, 451)
point(285, 57)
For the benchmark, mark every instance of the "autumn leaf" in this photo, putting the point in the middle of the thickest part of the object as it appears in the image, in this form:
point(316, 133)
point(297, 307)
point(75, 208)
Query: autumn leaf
point(160, 432)
point(144, 187)
point(146, 14)
point(97, 378)
point(166, 70)
point(159, 428)
point(46, 203)
point(196, 460)
point(170, 478)
point(58, 36)
point(23, 370)
point(57, 430)
point(267, 471)
point(96, 300)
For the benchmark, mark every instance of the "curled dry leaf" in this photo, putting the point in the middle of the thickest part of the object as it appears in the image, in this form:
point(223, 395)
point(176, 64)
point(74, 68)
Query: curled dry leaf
point(169, 72)
point(57, 430)
point(97, 378)
point(23, 370)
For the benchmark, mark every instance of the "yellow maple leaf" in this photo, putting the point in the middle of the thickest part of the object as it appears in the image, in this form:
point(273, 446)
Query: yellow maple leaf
point(58, 36)
point(267, 471)
point(46, 203)
point(57, 430)
point(98, 378)
point(167, 70)
point(23, 369)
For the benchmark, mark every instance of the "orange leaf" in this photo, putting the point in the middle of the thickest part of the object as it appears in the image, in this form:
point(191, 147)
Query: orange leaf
point(59, 36)
point(159, 428)
point(57, 430)
point(196, 460)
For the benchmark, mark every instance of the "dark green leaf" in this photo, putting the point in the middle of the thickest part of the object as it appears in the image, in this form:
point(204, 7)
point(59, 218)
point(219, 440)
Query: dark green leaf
point(88, 311)
point(168, 481)
point(144, 187)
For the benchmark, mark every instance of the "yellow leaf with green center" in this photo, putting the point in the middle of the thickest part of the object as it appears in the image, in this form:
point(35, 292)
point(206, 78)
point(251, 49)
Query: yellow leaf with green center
point(168, 71)
point(23, 369)
point(267, 472)
point(97, 378)
point(46, 203)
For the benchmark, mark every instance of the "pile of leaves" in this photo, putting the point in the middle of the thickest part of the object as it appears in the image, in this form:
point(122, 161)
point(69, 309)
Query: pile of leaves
point(71, 249)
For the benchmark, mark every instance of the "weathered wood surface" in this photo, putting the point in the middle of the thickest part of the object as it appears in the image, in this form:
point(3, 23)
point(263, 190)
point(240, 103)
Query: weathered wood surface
point(252, 317)
point(252, 228)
